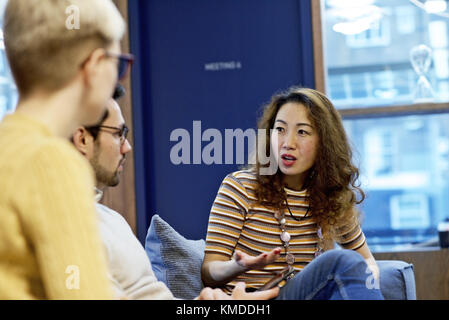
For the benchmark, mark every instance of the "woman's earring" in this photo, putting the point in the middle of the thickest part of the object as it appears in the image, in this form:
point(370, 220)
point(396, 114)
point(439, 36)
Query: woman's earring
point(312, 174)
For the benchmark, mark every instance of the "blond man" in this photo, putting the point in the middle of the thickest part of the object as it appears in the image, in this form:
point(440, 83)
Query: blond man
point(65, 73)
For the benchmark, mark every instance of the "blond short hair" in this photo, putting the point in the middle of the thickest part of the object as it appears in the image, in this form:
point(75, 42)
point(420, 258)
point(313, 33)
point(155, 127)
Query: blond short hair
point(43, 51)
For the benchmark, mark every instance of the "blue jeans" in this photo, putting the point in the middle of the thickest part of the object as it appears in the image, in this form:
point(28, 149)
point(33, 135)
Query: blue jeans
point(334, 275)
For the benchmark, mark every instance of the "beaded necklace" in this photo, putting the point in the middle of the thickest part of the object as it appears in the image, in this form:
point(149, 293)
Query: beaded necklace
point(285, 236)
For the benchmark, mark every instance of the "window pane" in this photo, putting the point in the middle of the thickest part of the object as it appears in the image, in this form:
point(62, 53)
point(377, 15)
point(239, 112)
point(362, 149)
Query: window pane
point(8, 90)
point(368, 45)
point(404, 164)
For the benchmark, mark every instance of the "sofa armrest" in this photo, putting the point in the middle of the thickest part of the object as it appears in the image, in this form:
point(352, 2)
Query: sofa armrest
point(397, 280)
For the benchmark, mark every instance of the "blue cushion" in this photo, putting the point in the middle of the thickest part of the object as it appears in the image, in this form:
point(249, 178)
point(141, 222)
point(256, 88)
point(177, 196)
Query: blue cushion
point(175, 260)
point(397, 280)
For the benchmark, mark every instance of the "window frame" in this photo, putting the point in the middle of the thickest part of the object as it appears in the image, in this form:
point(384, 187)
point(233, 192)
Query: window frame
point(317, 9)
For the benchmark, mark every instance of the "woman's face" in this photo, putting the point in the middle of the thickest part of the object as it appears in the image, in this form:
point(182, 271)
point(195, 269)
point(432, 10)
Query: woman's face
point(295, 143)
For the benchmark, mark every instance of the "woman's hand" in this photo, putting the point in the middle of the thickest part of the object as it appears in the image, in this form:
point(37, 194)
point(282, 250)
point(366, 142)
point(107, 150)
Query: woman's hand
point(217, 270)
point(258, 262)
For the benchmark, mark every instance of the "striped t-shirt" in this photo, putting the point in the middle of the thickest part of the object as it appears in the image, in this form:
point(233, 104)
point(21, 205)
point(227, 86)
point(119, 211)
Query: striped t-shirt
point(237, 222)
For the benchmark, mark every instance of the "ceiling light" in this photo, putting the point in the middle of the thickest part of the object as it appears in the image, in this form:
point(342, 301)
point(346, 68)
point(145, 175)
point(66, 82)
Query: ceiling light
point(435, 6)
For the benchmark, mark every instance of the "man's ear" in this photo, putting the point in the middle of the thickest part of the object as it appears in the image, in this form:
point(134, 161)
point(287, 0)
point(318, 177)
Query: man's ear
point(90, 65)
point(81, 140)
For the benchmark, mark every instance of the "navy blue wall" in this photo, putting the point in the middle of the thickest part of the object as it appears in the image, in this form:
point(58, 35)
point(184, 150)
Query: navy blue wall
point(270, 45)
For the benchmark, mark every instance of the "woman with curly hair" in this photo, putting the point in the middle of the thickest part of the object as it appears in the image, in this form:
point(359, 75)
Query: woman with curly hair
point(265, 220)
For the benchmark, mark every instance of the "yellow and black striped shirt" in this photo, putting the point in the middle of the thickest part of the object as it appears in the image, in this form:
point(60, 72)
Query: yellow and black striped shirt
point(237, 222)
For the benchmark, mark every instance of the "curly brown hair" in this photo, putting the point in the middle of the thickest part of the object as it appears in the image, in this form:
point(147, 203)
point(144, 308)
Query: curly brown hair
point(332, 181)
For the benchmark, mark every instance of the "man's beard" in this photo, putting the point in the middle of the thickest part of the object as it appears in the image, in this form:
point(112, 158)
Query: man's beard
point(103, 176)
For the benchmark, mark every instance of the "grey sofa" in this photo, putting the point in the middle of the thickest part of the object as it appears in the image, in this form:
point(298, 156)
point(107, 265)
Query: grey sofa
point(177, 261)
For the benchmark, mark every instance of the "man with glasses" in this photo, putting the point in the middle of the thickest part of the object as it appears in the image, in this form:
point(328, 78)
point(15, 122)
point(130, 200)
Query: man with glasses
point(109, 145)
point(105, 146)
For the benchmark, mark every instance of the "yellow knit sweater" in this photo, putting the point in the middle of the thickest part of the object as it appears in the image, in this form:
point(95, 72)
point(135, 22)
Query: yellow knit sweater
point(50, 246)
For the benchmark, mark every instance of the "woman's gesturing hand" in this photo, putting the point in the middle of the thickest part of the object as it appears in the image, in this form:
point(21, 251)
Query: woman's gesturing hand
point(257, 262)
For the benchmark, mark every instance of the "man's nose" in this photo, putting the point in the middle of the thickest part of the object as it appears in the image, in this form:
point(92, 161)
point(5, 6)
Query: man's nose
point(126, 147)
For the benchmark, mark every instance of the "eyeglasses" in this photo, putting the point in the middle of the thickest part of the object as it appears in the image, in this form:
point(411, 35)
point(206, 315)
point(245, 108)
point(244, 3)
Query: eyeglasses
point(125, 62)
point(120, 132)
